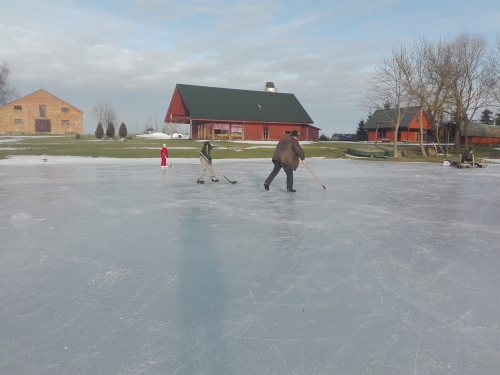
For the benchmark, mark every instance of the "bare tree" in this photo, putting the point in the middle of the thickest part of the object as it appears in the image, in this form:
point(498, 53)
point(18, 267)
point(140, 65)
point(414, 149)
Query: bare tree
point(104, 114)
point(496, 58)
point(7, 92)
point(426, 68)
point(387, 85)
point(472, 81)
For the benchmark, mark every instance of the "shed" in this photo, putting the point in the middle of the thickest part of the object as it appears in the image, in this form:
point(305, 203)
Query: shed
point(234, 114)
point(380, 125)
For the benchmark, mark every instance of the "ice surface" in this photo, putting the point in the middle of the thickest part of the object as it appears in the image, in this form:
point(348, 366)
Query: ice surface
point(119, 267)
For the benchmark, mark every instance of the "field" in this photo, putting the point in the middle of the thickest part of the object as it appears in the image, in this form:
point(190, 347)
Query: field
point(138, 147)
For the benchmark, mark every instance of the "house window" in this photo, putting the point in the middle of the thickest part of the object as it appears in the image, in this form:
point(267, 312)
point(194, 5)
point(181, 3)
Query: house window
point(64, 109)
point(382, 133)
point(266, 132)
point(18, 108)
point(65, 122)
point(221, 131)
point(18, 121)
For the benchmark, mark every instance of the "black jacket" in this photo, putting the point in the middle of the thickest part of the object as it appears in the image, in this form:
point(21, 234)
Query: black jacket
point(206, 150)
point(467, 156)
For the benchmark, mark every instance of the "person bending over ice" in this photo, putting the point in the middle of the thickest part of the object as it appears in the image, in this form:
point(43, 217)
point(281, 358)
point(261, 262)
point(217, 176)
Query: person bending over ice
point(287, 155)
point(468, 157)
point(206, 161)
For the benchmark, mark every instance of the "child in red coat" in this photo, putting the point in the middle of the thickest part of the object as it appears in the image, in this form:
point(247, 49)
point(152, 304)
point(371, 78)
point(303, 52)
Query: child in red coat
point(164, 156)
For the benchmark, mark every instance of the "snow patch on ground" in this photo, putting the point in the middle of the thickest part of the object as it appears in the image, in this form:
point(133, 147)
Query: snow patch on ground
point(163, 136)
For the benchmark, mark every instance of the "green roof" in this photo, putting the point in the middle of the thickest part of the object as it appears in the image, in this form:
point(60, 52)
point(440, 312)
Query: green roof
point(387, 117)
point(481, 130)
point(242, 105)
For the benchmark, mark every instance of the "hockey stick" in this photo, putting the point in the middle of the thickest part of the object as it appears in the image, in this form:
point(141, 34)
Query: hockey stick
point(317, 179)
point(204, 157)
point(170, 165)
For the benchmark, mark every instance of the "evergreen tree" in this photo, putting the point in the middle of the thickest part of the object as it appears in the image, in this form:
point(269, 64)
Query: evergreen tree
point(486, 117)
point(122, 132)
point(99, 131)
point(361, 128)
point(497, 118)
point(110, 131)
point(323, 137)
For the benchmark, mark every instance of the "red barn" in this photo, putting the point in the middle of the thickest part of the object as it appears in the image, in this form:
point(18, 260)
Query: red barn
point(480, 134)
point(380, 125)
point(233, 114)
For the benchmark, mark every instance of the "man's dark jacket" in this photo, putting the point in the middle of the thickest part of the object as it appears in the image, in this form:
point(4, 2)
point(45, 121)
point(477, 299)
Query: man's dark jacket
point(467, 156)
point(289, 152)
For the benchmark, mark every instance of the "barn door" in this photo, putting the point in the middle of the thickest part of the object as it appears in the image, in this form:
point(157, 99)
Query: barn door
point(205, 131)
point(42, 125)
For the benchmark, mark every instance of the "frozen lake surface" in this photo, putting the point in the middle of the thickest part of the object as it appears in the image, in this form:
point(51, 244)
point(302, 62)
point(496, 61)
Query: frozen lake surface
point(119, 267)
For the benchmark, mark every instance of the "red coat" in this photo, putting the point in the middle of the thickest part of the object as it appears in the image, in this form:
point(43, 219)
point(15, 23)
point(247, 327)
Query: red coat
point(164, 152)
point(164, 156)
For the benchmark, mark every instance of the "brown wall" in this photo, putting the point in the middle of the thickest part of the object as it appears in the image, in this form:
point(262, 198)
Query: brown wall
point(30, 113)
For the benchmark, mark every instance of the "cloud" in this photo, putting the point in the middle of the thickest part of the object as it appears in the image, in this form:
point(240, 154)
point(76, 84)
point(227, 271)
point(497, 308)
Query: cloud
point(131, 53)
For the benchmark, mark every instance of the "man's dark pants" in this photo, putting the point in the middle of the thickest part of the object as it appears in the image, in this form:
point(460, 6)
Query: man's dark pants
point(277, 168)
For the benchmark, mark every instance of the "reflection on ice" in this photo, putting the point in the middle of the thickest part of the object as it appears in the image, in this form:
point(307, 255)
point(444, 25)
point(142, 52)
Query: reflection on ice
point(119, 267)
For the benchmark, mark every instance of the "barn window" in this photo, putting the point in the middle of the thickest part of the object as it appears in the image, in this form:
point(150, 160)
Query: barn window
point(18, 108)
point(236, 131)
point(65, 122)
point(18, 121)
point(42, 110)
point(221, 131)
point(64, 109)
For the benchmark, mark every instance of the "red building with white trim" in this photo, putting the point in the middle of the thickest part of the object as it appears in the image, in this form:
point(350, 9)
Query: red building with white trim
point(233, 114)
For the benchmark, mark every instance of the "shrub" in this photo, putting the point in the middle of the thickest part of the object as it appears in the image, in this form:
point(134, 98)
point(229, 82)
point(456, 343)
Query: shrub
point(99, 132)
point(110, 131)
point(77, 136)
point(122, 132)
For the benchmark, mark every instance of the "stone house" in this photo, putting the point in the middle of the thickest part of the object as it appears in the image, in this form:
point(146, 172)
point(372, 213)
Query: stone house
point(40, 113)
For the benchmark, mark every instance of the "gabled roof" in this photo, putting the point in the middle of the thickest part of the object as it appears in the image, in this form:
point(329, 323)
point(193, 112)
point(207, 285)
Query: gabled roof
point(42, 91)
point(212, 103)
point(387, 117)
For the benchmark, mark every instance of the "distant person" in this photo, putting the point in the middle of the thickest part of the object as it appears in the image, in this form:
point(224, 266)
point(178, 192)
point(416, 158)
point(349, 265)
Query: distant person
point(287, 155)
point(164, 156)
point(468, 157)
point(206, 161)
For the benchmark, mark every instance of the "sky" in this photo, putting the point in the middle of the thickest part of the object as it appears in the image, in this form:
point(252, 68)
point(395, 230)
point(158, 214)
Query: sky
point(130, 54)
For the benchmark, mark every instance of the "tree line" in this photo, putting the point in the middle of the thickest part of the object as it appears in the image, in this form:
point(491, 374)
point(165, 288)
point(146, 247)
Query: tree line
point(452, 79)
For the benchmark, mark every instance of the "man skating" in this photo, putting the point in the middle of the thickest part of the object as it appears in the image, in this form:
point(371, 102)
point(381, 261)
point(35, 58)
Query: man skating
point(287, 155)
point(206, 161)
